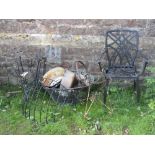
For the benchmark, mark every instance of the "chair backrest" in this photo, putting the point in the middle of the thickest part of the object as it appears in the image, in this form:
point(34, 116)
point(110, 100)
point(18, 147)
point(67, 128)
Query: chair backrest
point(121, 47)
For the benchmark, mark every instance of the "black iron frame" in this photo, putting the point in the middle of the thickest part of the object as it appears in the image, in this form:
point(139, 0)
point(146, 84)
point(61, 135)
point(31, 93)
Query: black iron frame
point(121, 51)
point(33, 88)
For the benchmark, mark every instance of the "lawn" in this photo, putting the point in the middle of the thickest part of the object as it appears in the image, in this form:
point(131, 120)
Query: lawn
point(121, 115)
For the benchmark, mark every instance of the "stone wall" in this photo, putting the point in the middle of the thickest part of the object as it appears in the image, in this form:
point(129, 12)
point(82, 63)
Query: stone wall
point(65, 40)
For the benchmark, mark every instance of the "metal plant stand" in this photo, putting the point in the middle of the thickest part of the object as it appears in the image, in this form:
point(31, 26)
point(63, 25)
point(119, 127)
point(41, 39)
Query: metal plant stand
point(38, 100)
point(122, 53)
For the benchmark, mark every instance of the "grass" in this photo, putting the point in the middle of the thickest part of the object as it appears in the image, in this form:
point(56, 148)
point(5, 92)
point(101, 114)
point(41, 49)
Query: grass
point(121, 115)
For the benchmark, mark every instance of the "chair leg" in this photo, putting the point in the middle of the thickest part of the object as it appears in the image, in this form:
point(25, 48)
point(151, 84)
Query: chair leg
point(134, 86)
point(137, 90)
point(105, 91)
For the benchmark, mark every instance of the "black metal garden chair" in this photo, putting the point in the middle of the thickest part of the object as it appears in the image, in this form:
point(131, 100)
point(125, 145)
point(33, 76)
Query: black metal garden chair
point(122, 53)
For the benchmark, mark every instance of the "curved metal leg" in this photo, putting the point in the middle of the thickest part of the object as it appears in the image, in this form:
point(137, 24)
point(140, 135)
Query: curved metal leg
point(105, 91)
point(137, 90)
point(134, 86)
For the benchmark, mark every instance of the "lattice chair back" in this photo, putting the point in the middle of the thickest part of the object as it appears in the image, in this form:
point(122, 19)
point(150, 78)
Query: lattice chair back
point(121, 47)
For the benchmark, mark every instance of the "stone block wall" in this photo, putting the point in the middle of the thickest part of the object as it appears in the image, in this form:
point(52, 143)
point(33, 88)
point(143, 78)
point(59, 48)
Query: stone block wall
point(64, 41)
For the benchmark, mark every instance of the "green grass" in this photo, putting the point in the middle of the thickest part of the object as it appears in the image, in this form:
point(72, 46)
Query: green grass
point(121, 115)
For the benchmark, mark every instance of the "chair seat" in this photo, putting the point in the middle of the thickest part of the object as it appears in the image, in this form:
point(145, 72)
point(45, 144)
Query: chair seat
point(121, 72)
